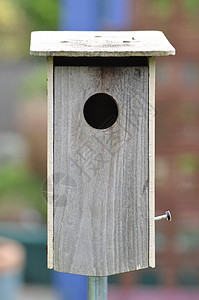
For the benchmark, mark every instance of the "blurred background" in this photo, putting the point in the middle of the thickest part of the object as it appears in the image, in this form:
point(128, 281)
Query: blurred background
point(23, 273)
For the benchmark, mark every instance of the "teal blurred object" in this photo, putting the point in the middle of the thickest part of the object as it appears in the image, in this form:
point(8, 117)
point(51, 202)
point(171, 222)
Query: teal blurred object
point(150, 277)
point(33, 237)
point(10, 283)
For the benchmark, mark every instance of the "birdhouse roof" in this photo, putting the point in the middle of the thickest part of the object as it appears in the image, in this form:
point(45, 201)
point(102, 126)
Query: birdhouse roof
point(100, 43)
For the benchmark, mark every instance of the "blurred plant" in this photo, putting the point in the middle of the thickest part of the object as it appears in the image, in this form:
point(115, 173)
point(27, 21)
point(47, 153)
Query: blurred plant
point(13, 23)
point(191, 6)
point(20, 189)
point(19, 18)
point(188, 163)
point(163, 8)
point(12, 17)
point(35, 84)
point(42, 14)
point(32, 118)
point(22, 177)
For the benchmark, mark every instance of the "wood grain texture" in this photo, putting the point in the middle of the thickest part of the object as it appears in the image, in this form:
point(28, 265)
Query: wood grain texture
point(152, 162)
point(101, 177)
point(100, 43)
point(50, 163)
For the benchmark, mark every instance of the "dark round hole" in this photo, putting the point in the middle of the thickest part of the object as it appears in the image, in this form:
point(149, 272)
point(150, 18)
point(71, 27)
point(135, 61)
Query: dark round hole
point(100, 111)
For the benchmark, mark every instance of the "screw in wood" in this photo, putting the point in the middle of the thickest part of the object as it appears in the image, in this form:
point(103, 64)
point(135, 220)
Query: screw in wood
point(166, 216)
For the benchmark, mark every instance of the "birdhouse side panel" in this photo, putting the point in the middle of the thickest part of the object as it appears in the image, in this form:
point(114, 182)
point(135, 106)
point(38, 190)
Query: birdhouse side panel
point(152, 162)
point(101, 176)
point(50, 86)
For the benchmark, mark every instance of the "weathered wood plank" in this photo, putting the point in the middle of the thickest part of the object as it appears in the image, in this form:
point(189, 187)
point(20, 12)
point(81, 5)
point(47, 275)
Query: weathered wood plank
point(100, 43)
point(101, 176)
point(50, 162)
point(152, 162)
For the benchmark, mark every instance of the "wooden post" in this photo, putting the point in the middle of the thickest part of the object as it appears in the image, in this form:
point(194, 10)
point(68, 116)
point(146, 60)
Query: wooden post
point(97, 288)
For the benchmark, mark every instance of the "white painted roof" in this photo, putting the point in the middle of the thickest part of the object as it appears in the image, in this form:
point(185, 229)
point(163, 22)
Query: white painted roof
point(100, 43)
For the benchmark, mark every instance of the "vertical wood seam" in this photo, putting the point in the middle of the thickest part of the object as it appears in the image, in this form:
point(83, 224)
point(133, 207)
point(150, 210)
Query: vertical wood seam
point(152, 162)
point(50, 163)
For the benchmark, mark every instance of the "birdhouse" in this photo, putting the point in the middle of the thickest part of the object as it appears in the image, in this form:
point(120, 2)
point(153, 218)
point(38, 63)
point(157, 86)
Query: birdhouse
point(101, 148)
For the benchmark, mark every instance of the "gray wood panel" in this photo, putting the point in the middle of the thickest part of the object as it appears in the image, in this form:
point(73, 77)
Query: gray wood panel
point(100, 176)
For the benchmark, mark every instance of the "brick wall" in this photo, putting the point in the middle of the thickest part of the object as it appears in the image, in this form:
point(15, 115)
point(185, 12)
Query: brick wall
point(177, 138)
point(177, 142)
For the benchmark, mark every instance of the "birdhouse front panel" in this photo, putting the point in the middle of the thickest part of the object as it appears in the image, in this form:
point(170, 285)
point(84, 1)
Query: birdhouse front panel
point(101, 148)
point(101, 169)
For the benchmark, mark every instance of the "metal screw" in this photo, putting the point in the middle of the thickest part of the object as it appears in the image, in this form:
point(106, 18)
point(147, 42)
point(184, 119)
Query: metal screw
point(166, 216)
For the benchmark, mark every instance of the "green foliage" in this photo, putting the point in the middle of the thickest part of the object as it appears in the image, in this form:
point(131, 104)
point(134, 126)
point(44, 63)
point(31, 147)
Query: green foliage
point(19, 187)
point(163, 8)
point(163, 4)
point(18, 18)
point(191, 6)
point(35, 84)
point(42, 14)
point(188, 163)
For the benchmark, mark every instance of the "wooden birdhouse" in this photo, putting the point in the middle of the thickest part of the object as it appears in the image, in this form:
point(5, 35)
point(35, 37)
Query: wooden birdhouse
point(101, 148)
